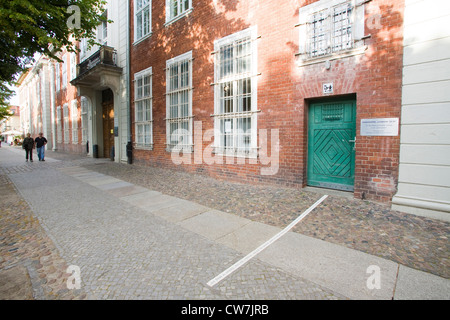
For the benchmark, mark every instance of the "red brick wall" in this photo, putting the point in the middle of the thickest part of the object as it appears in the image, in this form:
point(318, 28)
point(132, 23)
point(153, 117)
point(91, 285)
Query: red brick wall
point(284, 88)
point(63, 96)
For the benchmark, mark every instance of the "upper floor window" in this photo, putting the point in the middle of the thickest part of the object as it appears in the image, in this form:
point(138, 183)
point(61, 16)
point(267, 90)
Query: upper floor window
point(64, 72)
point(103, 33)
point(142, 18)
point(177, 8)
point(330, 27)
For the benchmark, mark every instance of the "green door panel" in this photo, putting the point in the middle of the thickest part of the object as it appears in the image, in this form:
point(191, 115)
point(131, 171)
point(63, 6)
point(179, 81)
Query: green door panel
point(331, 135)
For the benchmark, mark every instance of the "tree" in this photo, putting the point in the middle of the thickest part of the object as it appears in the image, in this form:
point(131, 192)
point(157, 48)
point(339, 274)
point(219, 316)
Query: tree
point(4, 112)
point(28, 27)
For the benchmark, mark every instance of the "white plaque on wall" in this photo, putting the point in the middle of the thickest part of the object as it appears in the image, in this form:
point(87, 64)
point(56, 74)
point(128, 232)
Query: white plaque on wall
point(379, 127)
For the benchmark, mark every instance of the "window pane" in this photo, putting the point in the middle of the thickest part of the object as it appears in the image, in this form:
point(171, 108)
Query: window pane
point(146, 22)
point(226, 97)
point(139, 25)
point(226, 60)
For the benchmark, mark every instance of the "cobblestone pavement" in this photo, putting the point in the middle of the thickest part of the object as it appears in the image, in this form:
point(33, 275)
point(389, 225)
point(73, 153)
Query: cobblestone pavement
point(123, 252)
point(24, 244)
point(410, 240)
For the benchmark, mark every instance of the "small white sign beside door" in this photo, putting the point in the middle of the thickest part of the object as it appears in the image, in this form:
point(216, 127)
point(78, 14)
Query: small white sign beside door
point(379, 127)
point(327, 88)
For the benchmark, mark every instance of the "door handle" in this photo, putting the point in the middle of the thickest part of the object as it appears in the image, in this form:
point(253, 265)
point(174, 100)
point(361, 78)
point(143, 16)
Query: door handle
point(354, 143)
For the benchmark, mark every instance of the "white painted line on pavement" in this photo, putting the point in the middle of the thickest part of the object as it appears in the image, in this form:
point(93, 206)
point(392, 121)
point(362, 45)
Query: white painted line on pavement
point(252, 254)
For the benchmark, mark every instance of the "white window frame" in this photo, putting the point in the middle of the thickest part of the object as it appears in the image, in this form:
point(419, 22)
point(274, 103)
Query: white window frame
point(73, 65)
point(83, 48)
point(143, 123)
point(321, 15)
point(178, 90)
point(102, 30)
point(74, 122)
point(84, 119)
point(230, 138)
point(139, 16)
point(183, 7)
point(64, 72)
point(58, 76)
point(58, 124)
point(66, 123)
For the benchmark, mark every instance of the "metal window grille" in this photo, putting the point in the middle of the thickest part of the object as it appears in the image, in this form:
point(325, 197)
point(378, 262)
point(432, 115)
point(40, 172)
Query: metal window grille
point(235, 91)
point(330, 30)
point(179, 104)
point(319, 34)
point(342, 27)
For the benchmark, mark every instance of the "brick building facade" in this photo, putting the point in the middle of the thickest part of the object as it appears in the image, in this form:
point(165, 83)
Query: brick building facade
point(270, 91)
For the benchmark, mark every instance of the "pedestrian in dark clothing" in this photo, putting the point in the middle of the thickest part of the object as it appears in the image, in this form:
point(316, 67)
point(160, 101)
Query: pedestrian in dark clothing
point(28, 145)
point(40, 146)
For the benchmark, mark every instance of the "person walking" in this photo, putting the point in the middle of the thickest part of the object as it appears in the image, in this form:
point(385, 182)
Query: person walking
point(28, 145)
point(40, 146)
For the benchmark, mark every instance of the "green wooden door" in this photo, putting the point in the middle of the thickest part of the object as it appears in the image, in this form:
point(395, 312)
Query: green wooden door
point(331, 136)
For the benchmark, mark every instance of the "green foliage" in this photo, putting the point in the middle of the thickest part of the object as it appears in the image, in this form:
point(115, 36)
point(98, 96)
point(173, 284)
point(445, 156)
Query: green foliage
point(4, 112)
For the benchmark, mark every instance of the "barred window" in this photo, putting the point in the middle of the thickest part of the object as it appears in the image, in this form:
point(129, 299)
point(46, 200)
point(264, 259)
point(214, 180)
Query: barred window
point(235, 94)
point(330, 26)
point(179, 103)
point(143, 109)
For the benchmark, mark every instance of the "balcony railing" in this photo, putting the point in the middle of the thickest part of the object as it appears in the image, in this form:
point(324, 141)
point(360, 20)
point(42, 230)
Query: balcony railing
point(105, 55)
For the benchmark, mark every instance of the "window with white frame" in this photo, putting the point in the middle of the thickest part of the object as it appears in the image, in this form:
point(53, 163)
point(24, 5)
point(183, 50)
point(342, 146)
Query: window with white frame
point(58, 124)
point(73, 65)
point(235, 117)
point(102, 30)
point(142, 18)
point(143, 109)
point(66, 122)
point(74, 116)
point(58, 76)
point(330, 27)
point(177, 8)
point(64, 72)
point(179, 103)
point(84, 120)
point(83, 48)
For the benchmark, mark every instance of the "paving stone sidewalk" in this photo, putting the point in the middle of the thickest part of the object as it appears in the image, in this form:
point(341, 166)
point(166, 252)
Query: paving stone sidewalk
point(373, 228)
point(123, 252)
point(30, 265)
point(417, 242)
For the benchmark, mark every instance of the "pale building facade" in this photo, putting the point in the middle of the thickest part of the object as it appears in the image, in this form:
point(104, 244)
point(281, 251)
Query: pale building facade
point(424, 173)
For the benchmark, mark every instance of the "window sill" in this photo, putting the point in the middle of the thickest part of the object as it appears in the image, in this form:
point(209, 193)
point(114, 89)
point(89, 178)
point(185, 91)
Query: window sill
point(147, 148)
point(136, 42)
point(329, 57)
point(236, 154)
point(169, 22)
